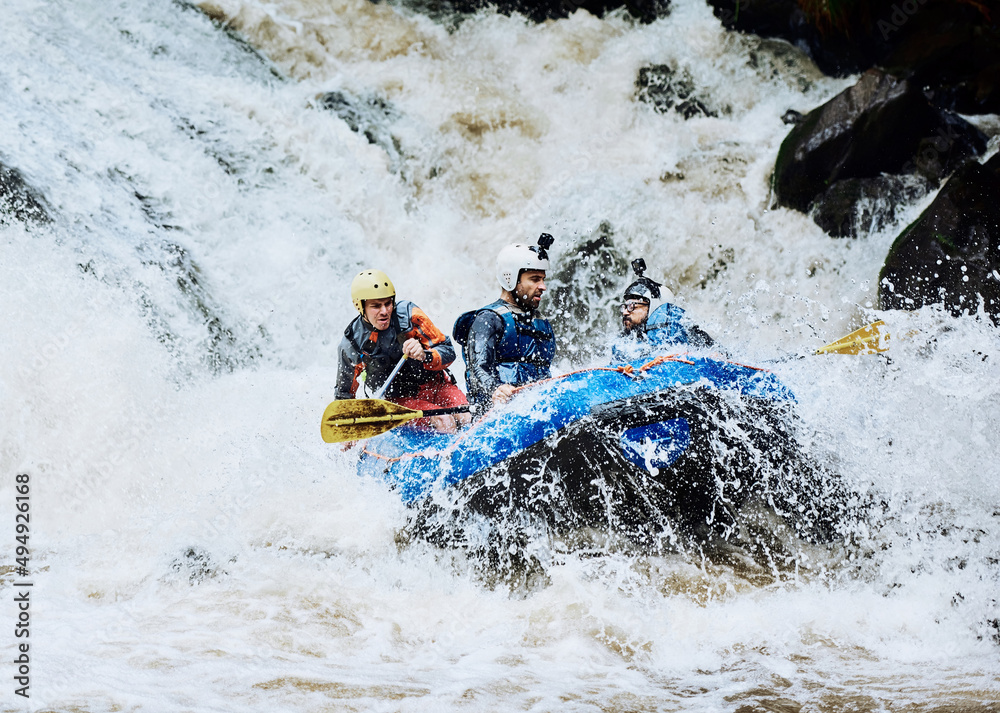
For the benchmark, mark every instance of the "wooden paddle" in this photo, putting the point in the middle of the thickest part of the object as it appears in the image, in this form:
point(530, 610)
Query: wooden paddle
point(354, 419)
point(870, 339)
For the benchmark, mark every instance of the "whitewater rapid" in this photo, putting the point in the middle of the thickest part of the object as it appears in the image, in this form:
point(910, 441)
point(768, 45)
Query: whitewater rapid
point(169, 341)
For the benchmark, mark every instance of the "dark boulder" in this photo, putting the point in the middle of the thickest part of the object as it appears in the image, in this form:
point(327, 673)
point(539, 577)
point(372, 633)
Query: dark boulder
point(951, 48)
point(953, 142)
point(18, 200)
point(881, 126)
point(857, 206)
point(951, 254)
point(869, 129)
point(834, 53)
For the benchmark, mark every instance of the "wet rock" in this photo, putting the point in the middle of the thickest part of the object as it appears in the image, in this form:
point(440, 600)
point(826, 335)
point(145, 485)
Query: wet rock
point(224, 345)
point(223, 349)
point(666, 89)
point(584, 291)
point(778, 61)
point(792, 117)
point(993, 627)
point(881, 125)
point(244, 51)
point(542, 10)
point(858, 206)
point(18, 200)
point(948, 47)
point(369, 115)
point(951, 254)
point(953, 143)
point(197, 565)
point(834, 54)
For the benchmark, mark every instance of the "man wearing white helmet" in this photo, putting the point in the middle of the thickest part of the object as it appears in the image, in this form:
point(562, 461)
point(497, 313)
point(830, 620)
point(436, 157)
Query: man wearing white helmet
point(377, 339)
point(668, 325)
point(507, 343)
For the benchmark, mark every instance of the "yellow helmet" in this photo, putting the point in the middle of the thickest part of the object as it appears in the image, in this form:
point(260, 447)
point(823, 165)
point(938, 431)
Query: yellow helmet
point(371, 285)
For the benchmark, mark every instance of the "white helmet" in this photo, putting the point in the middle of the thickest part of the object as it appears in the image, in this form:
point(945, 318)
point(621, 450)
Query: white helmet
point(645, 288)
point(517, 257)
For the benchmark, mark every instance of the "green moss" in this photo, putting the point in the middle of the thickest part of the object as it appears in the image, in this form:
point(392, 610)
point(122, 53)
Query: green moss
point(901, 238)
point(947, 242)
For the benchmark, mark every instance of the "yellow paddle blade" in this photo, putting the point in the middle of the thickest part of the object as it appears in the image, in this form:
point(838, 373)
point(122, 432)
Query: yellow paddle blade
point(867, 340)
point(354, 419)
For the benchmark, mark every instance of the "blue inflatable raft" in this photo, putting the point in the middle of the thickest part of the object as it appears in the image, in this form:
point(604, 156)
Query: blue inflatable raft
point(672, 444)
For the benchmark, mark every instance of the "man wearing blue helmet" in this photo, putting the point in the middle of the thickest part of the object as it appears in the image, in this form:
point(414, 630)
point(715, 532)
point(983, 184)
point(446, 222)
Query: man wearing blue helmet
point(507, 344)
point(667, 326)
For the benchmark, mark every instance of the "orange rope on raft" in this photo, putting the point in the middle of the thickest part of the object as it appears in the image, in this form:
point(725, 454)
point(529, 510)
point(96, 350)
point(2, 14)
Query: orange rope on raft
point(746, 366)
point(663, 359)
point(625, 370)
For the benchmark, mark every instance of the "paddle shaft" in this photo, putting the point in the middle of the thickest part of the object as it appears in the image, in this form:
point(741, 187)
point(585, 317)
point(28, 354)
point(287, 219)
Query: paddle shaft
point(444, 411)
point(385, 387)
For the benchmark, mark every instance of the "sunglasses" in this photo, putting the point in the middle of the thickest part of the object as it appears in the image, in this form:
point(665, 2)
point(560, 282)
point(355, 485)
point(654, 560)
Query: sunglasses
point(629, 305)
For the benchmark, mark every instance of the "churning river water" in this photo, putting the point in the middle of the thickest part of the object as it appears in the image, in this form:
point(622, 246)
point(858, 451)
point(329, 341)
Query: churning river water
point(169, 336)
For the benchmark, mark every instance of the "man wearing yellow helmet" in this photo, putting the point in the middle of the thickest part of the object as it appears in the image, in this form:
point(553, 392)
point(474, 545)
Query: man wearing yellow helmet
point(382, 333)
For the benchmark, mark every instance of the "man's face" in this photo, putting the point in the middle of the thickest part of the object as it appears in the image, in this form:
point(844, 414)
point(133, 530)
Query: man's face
point(378, 312)
point(634, 314)
point(529, 289)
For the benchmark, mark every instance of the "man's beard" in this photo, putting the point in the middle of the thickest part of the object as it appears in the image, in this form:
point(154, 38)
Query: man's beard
point(524, 302)
point(633, 330)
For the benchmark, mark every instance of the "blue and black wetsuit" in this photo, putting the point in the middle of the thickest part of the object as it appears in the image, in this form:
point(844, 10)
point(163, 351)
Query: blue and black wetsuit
point(668, 326)
point(503, 345)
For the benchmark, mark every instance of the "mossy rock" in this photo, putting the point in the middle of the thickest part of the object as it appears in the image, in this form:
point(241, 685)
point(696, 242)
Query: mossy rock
point(950, 255)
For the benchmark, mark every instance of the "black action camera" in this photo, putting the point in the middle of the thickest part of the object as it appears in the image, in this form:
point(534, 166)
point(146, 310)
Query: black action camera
point(544, 243)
